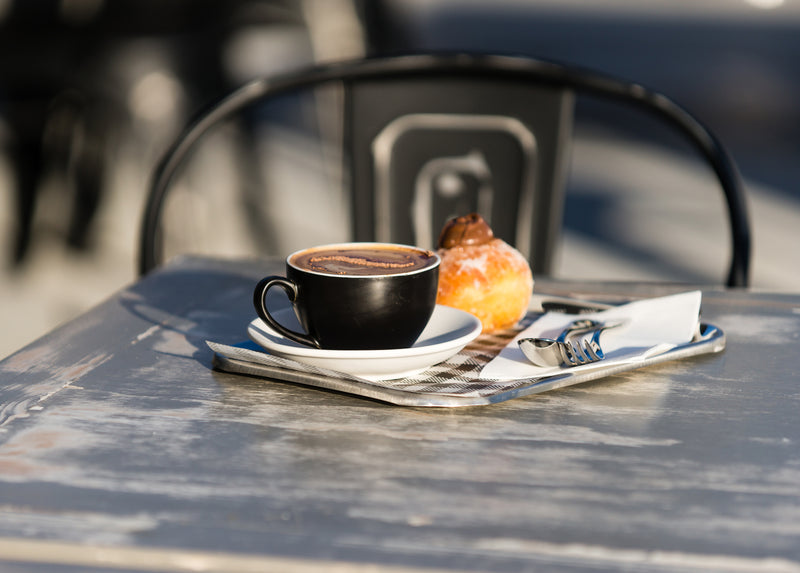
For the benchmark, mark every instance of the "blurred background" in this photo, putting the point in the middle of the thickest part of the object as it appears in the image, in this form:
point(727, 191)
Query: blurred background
point(92, 92)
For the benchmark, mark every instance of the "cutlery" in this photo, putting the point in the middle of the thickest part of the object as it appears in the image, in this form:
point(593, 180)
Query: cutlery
point(551, 303)
point(563, 351)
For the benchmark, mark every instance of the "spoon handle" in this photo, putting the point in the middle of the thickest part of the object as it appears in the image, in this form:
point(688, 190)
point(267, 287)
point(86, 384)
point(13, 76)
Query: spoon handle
point(585, 325)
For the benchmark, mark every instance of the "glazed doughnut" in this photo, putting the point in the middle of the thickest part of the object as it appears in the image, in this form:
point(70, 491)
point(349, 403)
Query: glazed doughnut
point(482, 274)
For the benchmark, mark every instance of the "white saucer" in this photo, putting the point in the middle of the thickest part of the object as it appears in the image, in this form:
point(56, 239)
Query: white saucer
point(448, 331)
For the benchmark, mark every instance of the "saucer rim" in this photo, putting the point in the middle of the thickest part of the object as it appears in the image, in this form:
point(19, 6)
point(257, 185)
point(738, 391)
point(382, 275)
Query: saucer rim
point(289, 347)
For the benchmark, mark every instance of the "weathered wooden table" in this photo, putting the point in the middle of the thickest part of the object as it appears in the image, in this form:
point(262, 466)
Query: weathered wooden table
point(121, 448)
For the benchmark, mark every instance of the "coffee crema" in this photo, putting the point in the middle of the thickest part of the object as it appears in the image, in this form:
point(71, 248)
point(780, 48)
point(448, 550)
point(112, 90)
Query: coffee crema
point(369, 260)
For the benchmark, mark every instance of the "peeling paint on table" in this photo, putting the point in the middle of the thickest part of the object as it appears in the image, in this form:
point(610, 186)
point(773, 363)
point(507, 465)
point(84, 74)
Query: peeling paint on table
point(118, 437)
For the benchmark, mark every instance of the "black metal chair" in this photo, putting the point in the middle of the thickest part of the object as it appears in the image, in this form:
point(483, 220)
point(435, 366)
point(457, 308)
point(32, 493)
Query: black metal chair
point(430, 136)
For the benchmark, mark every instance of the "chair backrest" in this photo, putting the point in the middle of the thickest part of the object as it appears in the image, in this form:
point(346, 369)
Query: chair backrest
point(428, 137)
point(428, 148)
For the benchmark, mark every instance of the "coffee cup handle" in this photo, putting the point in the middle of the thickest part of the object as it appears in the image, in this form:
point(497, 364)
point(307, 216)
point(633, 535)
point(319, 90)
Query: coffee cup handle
point(259, 301)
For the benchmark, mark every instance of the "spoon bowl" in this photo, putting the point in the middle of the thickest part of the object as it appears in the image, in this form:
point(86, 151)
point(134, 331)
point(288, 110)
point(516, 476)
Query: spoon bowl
point(544, 352)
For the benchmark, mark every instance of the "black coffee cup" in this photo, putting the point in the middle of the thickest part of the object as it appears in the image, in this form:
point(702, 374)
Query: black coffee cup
point(356, 296)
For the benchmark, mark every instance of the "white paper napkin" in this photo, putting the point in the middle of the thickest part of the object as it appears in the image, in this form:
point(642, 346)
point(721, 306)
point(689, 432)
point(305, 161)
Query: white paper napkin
point(650, 327)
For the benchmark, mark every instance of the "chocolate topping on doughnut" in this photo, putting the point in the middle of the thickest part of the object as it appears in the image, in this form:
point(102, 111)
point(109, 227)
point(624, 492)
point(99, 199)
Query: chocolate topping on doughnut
point(465, 231)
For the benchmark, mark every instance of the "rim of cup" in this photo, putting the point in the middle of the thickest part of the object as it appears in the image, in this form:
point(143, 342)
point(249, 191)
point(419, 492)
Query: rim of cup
point(367, 245)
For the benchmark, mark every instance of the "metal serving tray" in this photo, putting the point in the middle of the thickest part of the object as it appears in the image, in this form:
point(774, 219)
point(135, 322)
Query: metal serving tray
point(454, 382)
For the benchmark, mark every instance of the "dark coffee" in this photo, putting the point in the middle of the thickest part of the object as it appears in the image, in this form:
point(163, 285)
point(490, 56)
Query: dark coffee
point(372, 260)
point(356, 296)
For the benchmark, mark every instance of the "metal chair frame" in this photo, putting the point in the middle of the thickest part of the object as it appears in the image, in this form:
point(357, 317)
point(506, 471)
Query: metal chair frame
point(524, 70)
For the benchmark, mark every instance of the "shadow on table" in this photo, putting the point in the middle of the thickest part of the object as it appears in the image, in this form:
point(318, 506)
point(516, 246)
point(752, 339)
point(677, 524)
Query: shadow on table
point(187, 307)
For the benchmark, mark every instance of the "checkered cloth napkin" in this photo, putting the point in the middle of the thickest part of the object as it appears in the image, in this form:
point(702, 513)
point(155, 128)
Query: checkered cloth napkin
point(459, 375)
